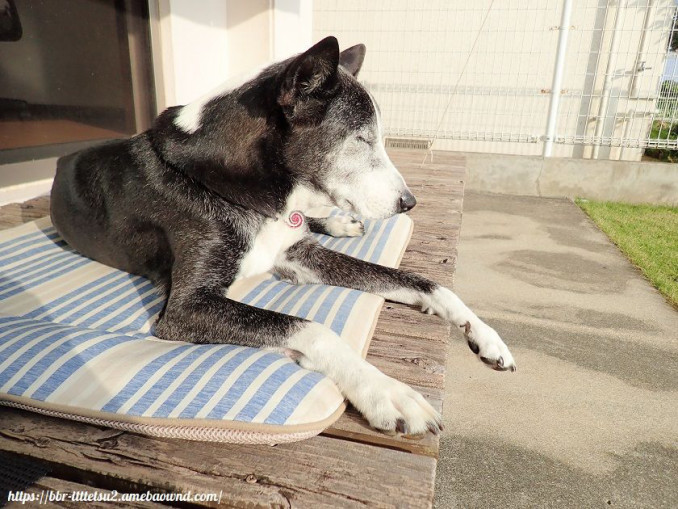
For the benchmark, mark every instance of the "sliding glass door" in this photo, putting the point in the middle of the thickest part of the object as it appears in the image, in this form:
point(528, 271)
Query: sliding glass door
point(72, 73)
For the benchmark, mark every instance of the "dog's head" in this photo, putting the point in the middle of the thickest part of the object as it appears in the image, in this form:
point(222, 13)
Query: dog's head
point(304, 123)
point(336, 133)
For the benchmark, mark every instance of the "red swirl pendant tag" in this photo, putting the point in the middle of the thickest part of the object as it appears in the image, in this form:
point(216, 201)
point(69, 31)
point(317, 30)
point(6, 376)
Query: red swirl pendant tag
point(295, 219)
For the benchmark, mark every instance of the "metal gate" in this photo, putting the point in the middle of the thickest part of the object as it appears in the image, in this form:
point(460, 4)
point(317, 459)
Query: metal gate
point(480, 76)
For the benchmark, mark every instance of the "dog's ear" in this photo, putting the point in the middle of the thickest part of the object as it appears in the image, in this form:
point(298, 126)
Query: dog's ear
point(309, 80)
point(352, 58)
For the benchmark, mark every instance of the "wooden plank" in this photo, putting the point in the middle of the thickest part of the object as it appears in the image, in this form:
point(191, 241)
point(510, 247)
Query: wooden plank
point(15, 214)
point(319, 472)
point(417, 357)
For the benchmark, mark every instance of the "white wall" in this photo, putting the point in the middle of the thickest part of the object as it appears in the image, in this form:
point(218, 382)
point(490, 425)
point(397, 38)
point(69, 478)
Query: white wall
point(292, 27)
point(249, 35)
point(192, 56)
point(199, 45)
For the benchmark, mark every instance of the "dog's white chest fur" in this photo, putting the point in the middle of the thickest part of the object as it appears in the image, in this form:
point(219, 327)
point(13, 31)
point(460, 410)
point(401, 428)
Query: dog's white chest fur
point(274, 238)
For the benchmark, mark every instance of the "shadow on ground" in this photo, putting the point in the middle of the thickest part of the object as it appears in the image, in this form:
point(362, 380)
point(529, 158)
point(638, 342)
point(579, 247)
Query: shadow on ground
point(589, 419)
point(515, 477)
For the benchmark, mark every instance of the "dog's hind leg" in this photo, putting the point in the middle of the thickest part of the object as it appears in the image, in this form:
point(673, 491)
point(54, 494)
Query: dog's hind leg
point(308, 261)
point(336, 226)
point(205, 316)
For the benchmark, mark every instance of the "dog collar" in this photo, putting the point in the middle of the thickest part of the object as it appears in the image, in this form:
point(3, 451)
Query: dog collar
point(295, 219)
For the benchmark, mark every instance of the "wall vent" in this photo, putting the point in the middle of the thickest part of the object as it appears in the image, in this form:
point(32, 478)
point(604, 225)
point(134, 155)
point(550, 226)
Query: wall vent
point(411, 143)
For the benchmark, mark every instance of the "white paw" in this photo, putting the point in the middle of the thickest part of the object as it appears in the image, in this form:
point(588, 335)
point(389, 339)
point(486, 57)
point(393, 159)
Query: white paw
point(484, 341)
point(344, 226)
point(387, 404)
point(392, 406)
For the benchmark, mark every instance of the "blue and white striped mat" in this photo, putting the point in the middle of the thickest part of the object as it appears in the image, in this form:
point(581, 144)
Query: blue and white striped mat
point(76, 340)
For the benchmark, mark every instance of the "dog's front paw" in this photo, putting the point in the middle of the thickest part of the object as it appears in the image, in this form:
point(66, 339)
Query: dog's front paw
point(393, 407)
point(484, 341)
point(345, 226)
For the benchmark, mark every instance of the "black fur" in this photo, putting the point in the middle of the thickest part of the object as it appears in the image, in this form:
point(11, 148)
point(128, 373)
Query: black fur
point(338, 269)
point(184, 208)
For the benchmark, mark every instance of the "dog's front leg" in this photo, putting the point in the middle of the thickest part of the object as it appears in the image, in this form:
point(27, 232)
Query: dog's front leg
point(204, 315)
point(387, 404)
point(310, 262)
point(336, 226)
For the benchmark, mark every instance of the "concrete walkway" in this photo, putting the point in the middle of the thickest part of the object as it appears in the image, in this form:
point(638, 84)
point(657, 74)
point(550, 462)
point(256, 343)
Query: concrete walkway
point(590, 419)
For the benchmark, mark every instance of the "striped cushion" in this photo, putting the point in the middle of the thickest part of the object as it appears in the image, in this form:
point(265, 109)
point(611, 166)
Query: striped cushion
point(76, 341)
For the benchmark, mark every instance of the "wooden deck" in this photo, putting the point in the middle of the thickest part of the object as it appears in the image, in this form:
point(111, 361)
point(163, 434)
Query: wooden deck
point(348, 465)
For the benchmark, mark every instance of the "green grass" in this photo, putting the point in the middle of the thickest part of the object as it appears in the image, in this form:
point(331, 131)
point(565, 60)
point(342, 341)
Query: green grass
point(663, 131)
point(647, 234)
point(667, 108)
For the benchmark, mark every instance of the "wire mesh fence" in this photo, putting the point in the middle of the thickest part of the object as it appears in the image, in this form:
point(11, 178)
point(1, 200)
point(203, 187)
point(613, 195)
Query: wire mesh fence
point(477, 75)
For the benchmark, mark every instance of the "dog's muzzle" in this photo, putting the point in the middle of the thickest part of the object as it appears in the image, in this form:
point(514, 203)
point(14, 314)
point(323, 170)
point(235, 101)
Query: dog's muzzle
point(407, 202)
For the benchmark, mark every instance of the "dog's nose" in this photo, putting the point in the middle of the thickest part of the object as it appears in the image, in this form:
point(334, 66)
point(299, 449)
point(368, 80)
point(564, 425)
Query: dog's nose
point(407, 201)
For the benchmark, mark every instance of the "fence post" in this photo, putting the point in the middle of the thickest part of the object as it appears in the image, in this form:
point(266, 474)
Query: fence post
point(607, 84)
point(557, 83)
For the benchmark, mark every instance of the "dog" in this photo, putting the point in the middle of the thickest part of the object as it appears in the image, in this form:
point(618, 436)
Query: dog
point(205, 197)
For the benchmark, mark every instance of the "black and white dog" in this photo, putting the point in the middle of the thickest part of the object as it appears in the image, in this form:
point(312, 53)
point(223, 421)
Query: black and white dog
point(202, 199)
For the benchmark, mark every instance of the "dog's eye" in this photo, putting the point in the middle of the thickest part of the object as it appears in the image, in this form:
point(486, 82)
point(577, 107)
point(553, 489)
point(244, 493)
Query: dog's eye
point(362, 139)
